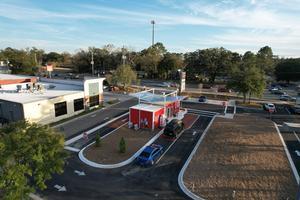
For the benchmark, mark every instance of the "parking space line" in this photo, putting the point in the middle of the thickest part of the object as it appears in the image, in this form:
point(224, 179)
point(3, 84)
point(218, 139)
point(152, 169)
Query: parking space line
point(296, 136)
point(175, 141)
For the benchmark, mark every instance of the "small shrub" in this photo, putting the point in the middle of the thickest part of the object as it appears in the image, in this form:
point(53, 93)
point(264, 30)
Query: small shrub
point(122, 145)
point(98, 141)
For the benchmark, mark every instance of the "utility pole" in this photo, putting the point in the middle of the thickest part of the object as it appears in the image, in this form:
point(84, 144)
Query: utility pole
point(123, 56)
point(92, 63)
point(153, 23)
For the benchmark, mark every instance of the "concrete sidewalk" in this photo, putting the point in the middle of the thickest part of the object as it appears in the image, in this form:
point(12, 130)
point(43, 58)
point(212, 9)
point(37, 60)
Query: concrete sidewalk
point(79, 125)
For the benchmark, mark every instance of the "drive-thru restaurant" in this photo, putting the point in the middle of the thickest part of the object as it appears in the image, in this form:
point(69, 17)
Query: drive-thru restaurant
point(153, 110)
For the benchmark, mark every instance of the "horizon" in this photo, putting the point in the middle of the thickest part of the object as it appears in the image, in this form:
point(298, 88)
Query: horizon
point(181, 26)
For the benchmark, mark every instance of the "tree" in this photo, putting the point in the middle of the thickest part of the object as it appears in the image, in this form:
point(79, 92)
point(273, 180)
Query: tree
point(122, 145)
point(170, 63)
point(98, 140)
point(29, 155)
point(150, 58)
point(124, 76)
point(265, 60)
point(208, 63)
point(288, 70)
point(247, 78)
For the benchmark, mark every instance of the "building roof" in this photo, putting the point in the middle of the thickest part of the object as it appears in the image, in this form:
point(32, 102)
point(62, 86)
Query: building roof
point(147, 107)
point(51, 90)
point(13, 76)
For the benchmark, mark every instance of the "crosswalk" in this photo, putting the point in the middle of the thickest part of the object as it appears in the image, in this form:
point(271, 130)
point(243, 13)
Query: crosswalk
point(202, 112)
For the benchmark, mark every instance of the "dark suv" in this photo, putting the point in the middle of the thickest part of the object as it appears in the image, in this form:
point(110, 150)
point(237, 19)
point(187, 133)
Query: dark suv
point(173, 128)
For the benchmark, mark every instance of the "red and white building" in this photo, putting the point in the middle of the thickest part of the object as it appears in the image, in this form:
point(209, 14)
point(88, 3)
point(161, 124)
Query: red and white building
point(154, 109)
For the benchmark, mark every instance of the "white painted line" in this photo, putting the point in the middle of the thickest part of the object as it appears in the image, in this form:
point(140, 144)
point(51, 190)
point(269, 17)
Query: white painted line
point(94, 115)
point(225, 110)
point(294, 169)
point(203, 111)
point(194, 133)
point(297, 152)
point(35, 197)
point(71, 149)
point(106, 118)
point(74, 139)
point(180, 176)
point(296, 136)
point(287, 110)
point(174, 141)
point(117, 165)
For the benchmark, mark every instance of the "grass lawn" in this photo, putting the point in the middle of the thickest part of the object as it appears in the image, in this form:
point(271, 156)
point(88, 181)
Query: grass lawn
point(244, 155)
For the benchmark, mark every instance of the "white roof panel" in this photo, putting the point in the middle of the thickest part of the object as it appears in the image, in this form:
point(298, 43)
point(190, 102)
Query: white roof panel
point(147, 107)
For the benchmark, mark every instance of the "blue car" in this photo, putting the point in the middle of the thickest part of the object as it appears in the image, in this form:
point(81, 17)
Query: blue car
point(149, 155)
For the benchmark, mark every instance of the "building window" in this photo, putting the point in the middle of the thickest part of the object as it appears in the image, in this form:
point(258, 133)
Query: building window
point(60, 109)
point(94, 100)
point(78, 104)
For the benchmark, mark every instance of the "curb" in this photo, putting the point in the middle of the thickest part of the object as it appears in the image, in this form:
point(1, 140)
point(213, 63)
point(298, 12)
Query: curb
point(117, 165)
point(180, 176)
point(295, 172)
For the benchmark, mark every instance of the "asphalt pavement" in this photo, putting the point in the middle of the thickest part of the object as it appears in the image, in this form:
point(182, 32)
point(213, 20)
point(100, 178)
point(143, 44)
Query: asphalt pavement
point(131, 181)
point(86, 122)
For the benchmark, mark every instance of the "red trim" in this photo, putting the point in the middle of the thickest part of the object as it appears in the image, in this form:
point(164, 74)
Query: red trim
point(16, 81)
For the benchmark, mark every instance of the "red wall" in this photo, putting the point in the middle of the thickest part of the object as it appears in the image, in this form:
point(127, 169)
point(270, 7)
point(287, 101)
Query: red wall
point(134, 117)
point(156, 117)
point(175, 107)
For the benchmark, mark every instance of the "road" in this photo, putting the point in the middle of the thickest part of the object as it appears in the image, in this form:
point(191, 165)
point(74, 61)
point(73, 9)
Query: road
point(131, 181)
point(79, 125)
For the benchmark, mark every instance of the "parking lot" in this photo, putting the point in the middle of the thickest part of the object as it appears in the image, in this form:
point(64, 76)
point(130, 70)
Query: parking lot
point(131, 181)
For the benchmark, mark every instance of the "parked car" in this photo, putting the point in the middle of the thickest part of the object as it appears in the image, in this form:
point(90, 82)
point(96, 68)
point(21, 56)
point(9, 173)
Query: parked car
point(173, 128)
point(287, 98)
point(202, 99)
point(149, 155)
point(295, 110)
point(269, 107)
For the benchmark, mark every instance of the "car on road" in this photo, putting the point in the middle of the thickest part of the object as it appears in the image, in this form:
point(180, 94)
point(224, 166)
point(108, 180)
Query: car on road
point(269, 107)
point(173, 128)
point(222, 89)
point(278, 92)
point(286, 97)
point(149, 155)
point(202, 99)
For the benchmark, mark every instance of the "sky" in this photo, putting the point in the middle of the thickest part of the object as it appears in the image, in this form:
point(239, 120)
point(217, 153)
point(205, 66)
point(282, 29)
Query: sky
point(181, 25)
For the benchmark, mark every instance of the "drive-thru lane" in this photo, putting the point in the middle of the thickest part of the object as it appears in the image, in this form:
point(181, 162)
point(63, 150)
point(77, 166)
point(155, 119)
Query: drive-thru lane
point(132, 181)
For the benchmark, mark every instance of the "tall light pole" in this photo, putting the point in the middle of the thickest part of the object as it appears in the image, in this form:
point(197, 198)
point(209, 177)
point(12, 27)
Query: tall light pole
point(92, 63)
point(153, 23)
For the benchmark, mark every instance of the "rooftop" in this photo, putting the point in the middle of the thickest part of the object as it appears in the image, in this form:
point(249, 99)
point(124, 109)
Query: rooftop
point(147, 107)
point(51, 90)
point(13, 76)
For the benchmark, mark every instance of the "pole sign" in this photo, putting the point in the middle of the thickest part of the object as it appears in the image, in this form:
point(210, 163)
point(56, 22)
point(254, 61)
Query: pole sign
point(49, 68)
point(182, 81)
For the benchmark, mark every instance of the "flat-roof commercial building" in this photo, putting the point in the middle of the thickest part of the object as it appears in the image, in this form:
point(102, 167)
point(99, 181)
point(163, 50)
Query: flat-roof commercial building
point(46, 100)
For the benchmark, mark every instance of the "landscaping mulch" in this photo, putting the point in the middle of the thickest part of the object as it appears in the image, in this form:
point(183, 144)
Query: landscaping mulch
point(108, 152)
point(241, 158)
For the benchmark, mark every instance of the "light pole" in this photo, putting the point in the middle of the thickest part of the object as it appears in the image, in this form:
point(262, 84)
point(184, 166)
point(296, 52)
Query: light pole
point(153, 23)
point(92, 63)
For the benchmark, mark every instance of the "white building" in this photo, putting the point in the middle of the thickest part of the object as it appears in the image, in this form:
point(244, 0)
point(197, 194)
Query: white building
point(47, 100)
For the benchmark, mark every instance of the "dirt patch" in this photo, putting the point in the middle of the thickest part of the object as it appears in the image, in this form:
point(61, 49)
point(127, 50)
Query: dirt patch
point(244, 155)
point(108, 152)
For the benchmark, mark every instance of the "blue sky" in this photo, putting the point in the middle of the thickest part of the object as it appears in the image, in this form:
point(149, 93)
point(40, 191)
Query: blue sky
point(182, 25)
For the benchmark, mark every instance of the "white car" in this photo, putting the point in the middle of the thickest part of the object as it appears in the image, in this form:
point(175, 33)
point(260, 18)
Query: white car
point(269, 107)
point(286, 97)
